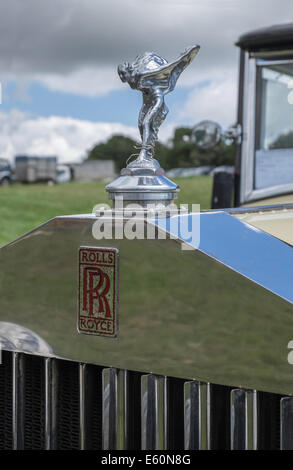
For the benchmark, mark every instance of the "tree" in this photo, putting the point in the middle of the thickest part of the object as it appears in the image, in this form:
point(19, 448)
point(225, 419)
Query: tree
point(117, 148)
point(181, 152)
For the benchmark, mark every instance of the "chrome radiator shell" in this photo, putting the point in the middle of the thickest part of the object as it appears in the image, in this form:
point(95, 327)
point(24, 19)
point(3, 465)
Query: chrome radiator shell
point(210, 314)
point(188, 320)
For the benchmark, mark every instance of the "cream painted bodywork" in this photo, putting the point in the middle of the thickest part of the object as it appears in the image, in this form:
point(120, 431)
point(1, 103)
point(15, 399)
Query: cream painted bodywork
point(278, 223)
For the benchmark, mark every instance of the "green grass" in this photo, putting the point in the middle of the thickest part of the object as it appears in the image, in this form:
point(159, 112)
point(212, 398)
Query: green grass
point(24, 207)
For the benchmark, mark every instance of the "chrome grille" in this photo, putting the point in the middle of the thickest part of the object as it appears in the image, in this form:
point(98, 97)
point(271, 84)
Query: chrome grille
point(59, 404)
point(33, 402)
point(6, 440)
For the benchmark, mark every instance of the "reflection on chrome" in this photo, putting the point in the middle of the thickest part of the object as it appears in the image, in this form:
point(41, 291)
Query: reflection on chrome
point(18, 338)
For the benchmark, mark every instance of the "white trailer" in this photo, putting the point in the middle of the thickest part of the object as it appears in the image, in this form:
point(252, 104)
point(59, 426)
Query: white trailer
point(32, 169)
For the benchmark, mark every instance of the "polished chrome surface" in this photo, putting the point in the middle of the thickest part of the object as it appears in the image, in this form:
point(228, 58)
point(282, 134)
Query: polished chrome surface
point(18, 338)
point(287, 423)
point(164, 410)
point(17, 400)
point(274, 208)
point(206, 134)
point(221, 294)
point(154, 77)
point(50, 403)
point(153, 420)
point(196, 416)
point(114, 409)
point(143, 189)
point(241, 247)
point(234, 133)
point(143, 179)
point(243, 419)
point(82, 405)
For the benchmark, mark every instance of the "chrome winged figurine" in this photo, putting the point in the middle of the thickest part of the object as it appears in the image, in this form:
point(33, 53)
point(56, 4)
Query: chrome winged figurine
point(143, 181)
point(154, 77)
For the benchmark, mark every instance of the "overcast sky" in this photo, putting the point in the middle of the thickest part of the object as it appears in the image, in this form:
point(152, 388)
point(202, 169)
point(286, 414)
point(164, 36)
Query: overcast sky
point(58, 60)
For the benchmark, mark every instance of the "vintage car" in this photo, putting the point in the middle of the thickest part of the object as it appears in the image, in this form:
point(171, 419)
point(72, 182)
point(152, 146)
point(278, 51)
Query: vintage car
point(199, 353)
point(263, 133)
point(6, 174)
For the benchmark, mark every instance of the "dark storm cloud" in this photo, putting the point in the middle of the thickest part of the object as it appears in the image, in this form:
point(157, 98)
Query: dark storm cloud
point(74, 46)
point(59, 36)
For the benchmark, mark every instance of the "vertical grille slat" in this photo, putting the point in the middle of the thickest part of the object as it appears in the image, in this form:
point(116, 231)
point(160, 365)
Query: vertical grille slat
point(50, 404)
point(196, 416)
point(6, 436)
point(152, 412)
point(243, 419)
point(17, 401)
point(286, 405)
point(82, 406)
point(114, 385)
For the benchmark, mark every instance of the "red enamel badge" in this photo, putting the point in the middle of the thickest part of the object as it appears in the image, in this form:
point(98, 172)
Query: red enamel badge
point(98, 291)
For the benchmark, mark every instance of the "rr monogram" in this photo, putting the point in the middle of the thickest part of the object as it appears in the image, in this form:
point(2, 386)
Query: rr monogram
point(98, 287)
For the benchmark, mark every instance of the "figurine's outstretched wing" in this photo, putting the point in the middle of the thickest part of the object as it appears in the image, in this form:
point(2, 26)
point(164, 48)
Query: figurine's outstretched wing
point(172, 70)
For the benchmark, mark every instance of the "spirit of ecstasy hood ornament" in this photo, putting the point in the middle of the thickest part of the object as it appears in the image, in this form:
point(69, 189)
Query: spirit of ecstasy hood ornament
point(154, 77)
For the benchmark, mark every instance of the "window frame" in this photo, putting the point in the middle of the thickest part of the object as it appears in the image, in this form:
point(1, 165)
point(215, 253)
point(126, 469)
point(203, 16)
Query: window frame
point(251, 124)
